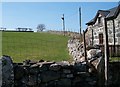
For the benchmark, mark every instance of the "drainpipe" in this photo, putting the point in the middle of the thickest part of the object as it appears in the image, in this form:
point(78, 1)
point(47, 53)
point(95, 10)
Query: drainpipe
point(114, 35)
point(92, 37)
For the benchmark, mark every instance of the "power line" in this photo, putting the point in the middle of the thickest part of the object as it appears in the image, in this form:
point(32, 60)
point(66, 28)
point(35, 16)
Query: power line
point(71, 15)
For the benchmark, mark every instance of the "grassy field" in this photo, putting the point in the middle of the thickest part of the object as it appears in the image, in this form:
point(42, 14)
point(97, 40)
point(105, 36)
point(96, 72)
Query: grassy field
point(34, 46)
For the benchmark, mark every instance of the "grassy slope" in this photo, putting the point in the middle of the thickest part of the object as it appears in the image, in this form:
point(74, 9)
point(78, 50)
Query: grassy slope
point(35, 46)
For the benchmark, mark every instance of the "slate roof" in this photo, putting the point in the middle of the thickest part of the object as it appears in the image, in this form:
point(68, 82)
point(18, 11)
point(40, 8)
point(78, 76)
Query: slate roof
point(112, 12)
point(109, 14)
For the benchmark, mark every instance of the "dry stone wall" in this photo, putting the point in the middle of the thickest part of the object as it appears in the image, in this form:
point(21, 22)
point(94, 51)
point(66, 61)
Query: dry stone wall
point(75, 49)
point(47, 74)
point(96, 62)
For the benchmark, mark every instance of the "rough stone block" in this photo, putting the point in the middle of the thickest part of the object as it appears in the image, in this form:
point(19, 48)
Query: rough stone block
point(55, 67)
point(49, 76)
point(64, 83)
point(66, 71)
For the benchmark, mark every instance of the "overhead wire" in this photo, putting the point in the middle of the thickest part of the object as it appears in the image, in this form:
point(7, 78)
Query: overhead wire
point(69, 18)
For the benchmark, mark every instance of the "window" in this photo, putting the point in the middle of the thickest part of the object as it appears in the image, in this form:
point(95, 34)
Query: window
point(99, 20)
point(118, 23)
point(100, 38)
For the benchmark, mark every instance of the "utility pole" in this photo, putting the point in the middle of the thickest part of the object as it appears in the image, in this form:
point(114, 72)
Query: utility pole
point(106, 48)
point(80, 18)
point(63, 24)
point(80, 22)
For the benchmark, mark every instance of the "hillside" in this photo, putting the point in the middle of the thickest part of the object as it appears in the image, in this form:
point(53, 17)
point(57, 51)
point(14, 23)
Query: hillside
point(35, 46)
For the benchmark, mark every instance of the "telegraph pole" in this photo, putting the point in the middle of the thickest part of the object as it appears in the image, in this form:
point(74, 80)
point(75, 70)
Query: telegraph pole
point(80, 23)
point(80, 19)
point(63, 24)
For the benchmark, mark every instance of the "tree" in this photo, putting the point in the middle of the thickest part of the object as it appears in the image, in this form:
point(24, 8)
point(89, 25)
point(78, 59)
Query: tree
point(40, 27)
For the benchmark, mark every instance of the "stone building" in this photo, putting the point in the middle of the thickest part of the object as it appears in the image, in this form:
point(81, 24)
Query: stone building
point(95, 29)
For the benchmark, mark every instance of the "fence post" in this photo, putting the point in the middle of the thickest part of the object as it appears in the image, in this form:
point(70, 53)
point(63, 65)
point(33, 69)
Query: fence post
point(106, 48)
point(85, 54)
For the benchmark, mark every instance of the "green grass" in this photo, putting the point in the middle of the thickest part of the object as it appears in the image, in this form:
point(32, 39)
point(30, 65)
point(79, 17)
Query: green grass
point(34, 46)
point(113, 59)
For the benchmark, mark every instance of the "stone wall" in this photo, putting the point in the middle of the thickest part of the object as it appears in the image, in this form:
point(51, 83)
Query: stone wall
point(114, 74)
point(75, 49)
point(47, 74)
point(94, 58)
point(117, 29)
point(99, 28)
point(67, 33)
